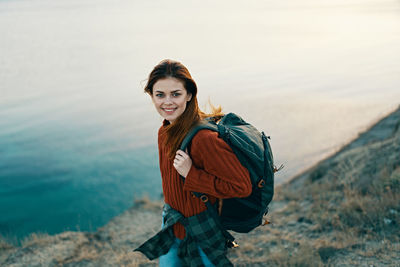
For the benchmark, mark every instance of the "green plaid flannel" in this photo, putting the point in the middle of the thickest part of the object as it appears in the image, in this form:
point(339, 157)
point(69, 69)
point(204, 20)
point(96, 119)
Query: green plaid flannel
point(201, 231)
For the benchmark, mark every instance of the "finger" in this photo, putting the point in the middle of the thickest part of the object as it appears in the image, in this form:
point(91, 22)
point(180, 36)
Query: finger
point(179, 157)
point(180, 152)
point(182, 155)
point(178, 163)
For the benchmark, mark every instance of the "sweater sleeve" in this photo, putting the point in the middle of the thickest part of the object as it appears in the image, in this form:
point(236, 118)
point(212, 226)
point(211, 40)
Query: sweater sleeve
point(216, 170)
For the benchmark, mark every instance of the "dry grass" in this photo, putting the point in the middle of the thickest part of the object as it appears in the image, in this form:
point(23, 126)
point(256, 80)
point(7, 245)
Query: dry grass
point(275, 250)
point(301, 255)
point(346, 211)
point(146, 203)
point(373, 211)
point(4, 244)
point(37, 239)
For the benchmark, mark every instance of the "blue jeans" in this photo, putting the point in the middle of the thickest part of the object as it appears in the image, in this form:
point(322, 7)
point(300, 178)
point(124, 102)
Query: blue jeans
point(171, 259)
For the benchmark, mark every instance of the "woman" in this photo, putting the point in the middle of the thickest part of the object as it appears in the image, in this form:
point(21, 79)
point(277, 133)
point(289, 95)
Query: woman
point(211, 168)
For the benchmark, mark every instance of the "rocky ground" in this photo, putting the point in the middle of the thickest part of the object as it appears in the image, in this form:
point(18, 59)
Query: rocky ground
point(345, 211)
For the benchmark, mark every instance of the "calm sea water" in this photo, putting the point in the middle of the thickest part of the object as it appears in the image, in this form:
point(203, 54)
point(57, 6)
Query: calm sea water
point(78, 135)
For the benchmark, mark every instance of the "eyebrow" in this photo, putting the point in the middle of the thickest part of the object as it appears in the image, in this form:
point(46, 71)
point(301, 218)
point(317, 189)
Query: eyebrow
point(171, 91)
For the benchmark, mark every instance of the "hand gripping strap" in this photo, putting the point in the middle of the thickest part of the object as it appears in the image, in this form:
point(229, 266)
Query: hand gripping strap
point(207, 123)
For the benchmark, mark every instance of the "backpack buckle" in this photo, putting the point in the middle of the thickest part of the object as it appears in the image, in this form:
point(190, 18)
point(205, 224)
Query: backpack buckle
point(261, 183)
point(266, 222)
point(278, 169)
point(204, 198)
point(232, 244)
point(266, 211)
point(220, 203)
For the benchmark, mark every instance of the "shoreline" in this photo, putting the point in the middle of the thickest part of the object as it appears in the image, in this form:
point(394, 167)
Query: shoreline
point(343, 147)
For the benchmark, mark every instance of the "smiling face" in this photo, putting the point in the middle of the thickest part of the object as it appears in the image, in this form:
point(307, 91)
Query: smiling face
point(170, 98)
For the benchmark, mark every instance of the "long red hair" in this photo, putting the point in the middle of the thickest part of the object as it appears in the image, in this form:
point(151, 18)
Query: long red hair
point(176, 131)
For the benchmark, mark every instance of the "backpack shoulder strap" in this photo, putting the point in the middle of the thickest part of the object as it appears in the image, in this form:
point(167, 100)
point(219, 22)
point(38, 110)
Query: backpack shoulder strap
point(204, 124)
point(210, 124)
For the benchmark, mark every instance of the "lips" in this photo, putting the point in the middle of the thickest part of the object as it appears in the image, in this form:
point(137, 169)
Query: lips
point(169, 110)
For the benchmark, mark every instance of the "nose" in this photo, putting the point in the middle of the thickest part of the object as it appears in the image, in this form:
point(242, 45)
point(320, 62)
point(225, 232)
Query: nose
point(168, 100)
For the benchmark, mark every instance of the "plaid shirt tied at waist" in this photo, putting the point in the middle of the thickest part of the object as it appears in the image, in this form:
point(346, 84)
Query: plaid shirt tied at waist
point(202, 230)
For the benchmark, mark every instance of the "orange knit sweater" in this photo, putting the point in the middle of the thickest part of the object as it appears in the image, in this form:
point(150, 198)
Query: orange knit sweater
point(215, 171)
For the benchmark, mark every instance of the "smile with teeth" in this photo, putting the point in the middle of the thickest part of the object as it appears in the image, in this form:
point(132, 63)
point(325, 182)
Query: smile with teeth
point(169, 110)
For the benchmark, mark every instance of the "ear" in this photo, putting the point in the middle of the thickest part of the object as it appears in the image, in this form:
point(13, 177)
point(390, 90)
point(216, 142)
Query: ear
point(189, 97)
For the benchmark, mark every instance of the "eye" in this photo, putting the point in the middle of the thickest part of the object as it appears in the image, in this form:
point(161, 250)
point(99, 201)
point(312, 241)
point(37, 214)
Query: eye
point(159, 95)
point(176, 94)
